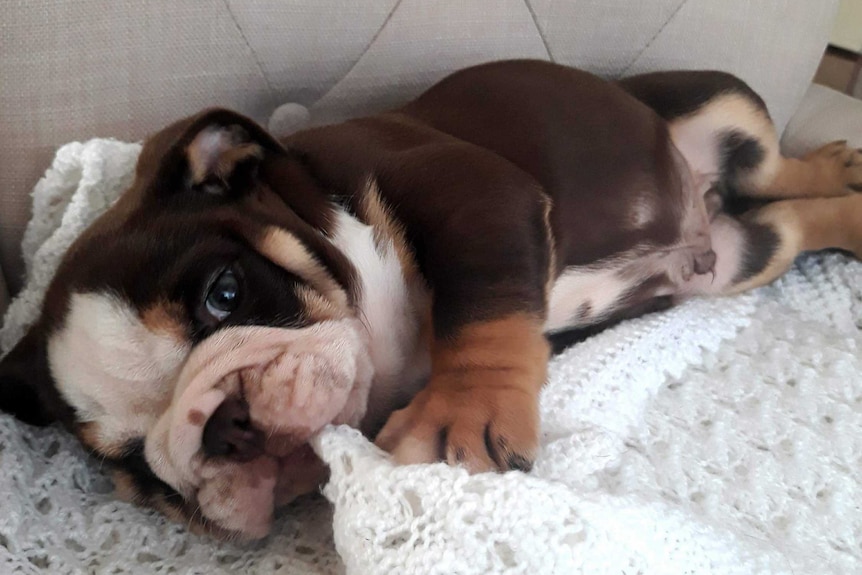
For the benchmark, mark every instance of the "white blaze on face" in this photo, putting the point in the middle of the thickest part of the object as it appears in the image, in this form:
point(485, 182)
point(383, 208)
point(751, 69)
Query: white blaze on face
point(113, 369)
point(135, 377)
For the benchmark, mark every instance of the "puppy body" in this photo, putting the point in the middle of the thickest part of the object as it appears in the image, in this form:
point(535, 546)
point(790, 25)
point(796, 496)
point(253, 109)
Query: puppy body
point(442, 241)
point(495, 147)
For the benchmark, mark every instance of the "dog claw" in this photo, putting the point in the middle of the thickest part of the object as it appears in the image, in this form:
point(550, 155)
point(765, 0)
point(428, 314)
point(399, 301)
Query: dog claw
point(520, 463)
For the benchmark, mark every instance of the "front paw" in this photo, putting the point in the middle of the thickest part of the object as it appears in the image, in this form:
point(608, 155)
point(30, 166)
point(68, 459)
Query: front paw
point(480, 427)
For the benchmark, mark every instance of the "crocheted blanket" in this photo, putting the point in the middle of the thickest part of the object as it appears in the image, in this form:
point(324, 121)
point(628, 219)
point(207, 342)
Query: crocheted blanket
point(723, 436)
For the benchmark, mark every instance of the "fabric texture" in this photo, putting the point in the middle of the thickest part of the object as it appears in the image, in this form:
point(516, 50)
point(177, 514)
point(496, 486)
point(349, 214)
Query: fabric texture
point(823, 115)
point(77, 69)
point(721, 437)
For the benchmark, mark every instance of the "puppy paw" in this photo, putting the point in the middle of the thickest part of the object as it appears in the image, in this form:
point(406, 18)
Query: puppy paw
point(480, 409)
point(841, 166)
point(480, 427)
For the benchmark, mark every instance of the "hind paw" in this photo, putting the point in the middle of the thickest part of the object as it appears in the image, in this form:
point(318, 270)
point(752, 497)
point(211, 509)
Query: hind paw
point(841, 165)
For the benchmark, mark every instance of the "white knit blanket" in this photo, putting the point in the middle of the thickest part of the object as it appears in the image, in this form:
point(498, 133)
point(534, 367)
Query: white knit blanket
point(724, 436)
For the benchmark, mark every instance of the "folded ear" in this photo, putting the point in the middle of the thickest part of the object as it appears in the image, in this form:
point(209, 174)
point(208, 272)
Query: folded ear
point(27, 389)
point(215, 152)
point(222, 158)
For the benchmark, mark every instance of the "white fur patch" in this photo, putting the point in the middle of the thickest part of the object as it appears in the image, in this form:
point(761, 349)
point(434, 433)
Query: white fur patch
point(594, 290)
point(112, 368)
point(388, 309)
point(643, 211)
point(697, 136)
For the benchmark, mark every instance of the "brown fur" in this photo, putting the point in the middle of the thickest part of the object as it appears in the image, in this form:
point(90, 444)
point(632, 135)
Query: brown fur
point(481, 401)
point(491, 187)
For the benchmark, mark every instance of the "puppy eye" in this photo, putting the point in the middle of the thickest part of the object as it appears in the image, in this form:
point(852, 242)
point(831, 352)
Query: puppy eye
point(223, 295)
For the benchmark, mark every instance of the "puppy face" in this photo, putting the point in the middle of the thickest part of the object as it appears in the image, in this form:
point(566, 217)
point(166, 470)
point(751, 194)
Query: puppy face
point(201, 330)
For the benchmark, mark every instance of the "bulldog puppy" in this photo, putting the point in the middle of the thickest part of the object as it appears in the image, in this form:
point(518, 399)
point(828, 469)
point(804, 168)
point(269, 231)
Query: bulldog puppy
point(402, 273)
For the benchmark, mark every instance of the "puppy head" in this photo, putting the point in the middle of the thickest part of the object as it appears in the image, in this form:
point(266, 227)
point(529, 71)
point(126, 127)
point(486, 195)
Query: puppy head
point(201, 330)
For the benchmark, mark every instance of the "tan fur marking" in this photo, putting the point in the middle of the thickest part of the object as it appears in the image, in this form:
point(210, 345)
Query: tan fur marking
point(828, 171)
point(165, 318)
point(175, 510)
point(91, 435)
point(515, 343)
point(316, 307)
point(386, 228)
point(808, 225)
point(285, 250)
point(832, 170)
point(126, 490)
point(482, 400)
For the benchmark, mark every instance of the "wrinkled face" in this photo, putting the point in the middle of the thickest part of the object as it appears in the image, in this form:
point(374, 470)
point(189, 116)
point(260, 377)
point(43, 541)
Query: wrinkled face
point(201, 331)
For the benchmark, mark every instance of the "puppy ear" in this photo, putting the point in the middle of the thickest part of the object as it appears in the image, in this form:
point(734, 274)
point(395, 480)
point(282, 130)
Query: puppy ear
point(222, 159)
point(217, 152)
point(27, 389)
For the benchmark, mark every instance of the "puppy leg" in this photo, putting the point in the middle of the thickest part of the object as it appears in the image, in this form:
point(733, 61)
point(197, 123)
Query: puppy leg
point(734, 140)
point(832, 170)
point(479, 409)
point(488, 257)
point(723, 129)
point(761, 245)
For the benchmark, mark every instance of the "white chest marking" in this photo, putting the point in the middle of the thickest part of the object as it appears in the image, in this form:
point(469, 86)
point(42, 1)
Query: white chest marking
point(390, 309)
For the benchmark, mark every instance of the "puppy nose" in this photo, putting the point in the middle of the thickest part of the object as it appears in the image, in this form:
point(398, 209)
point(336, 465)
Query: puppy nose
point(229, 432)
point(704, 262)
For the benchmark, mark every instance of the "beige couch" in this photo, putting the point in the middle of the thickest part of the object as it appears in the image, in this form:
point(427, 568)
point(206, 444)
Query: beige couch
point(75, 69)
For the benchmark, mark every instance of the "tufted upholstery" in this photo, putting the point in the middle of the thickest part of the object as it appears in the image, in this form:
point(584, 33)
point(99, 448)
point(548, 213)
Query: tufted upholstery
point(75, 69)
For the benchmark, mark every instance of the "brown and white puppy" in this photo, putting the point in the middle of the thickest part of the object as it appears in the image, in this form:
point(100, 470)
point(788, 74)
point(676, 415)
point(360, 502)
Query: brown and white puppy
point(402, 273)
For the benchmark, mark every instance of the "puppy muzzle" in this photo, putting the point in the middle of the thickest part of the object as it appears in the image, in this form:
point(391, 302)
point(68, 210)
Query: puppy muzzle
point(235, 437)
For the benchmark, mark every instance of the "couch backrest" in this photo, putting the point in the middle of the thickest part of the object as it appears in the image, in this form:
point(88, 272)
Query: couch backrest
point(76, 69)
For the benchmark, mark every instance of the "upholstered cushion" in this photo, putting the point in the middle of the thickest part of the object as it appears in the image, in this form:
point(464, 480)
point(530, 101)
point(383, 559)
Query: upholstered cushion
point(823, 116)
point(75, 69)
